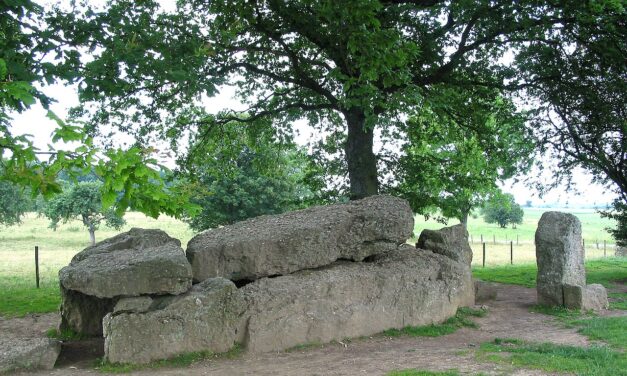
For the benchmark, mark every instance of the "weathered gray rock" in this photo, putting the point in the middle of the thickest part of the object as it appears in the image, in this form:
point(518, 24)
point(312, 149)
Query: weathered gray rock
point(347, 299)
point(133, 263)
point(450, 241)
point(591, 297)
point(130, 264)
point(484, 291)
point(303, 239)
point(133, 304)
point(83, 313)
point(559, 255)
point(205, 318)
point(620, 251)
point(28, 353)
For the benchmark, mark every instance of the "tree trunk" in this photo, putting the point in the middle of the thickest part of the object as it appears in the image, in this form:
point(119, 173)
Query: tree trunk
point(464, 219)
point(92, 236)
point(90, 228)
point(362, 163)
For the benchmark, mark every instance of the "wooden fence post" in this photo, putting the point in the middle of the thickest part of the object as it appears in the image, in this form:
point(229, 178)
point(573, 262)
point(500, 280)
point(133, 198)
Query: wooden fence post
point(511, 252)
point(37, 266)
point(484, 255)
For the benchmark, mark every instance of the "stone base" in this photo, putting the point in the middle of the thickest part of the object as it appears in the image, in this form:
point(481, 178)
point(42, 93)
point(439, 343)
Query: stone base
point(404, 287)
point(590, 297)
point(484, 291)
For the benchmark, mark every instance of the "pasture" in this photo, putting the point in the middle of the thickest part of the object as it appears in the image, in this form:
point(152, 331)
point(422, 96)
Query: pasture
point(56, 248)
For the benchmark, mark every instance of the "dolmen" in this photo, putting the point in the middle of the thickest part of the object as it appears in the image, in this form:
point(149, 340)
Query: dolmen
point(561, 279)
point(268, 283)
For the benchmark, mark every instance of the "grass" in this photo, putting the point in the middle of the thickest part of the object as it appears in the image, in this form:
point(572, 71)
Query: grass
point(179, 361)
point(65, 335)
point(582, 361)
point(606, 272)
point(497, 239)
point(416, 372)
point(460, 320)
point(18, 295)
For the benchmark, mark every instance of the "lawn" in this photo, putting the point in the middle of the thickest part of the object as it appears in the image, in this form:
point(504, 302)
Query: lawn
point(604, 271)
point(18, 294)
point(498, 239)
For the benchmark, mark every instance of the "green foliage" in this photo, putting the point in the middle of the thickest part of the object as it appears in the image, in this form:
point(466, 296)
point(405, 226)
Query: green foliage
point(32, 55)
point(244, 174)
point(459, 146)
point(347, 68)
point(82, 201)
point(619, 214)
point(460, 320)
point(501, 208)
point(13, 203)
point(578, 77)
point(584, 361)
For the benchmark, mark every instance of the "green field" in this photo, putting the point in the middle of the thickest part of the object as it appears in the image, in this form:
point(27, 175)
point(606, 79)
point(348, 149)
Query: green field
point(17, 270)
point(498, 239)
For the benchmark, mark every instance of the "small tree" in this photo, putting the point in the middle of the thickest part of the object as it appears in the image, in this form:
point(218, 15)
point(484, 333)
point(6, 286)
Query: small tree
point(82, 201)
point(501, 208)
point(247, 174)
point(14, 203)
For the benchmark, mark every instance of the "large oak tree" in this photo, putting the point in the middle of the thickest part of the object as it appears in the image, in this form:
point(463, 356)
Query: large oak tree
point(356, 65)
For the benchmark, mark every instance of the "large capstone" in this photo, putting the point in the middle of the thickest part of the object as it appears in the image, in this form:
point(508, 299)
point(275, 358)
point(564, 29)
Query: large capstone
point(203, 319)
point(304, 239)
point(399, 288)
point(559, 255)
point(134, 263)
point(450, 241)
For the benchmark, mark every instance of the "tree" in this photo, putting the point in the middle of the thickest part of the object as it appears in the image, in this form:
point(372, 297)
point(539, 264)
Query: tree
point(353, 66)
point(502, 209)
point(579, 77)
point(82, 201)
point(453, 159)
point(247, 173)
point(14, 203)
point(32, 56)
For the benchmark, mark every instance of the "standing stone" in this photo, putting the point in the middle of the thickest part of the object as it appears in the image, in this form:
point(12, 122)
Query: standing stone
point(484, 291)
point(450, 241)
point(559, 255)
point(304, 239)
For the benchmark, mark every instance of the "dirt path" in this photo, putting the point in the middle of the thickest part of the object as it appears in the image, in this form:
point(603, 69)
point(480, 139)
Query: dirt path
point(508, 317)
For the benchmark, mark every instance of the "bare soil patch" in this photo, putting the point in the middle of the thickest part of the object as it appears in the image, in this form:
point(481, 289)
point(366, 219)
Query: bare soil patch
point(508, 317)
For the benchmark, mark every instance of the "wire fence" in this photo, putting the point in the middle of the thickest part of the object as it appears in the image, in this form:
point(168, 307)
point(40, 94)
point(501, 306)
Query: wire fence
point(494, 251)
